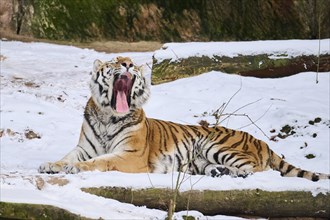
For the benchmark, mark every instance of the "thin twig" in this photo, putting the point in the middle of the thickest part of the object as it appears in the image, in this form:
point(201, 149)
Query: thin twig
point(175, 54)
point(148, 66)
point(150, 179)
point(257, 118)
point(252, 122)
point(318, 55)
point(240, 108)
point(226, 105)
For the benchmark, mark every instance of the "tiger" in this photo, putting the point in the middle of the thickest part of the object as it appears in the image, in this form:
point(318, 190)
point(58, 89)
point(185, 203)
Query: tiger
point(116, 135)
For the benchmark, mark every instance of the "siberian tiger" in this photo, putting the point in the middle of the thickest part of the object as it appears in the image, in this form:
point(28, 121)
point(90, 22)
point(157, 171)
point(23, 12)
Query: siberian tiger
point(116, 135)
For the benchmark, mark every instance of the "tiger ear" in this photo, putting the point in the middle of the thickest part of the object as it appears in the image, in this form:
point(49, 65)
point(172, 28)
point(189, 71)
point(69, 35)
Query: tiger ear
point(96, 65)
point(115, 60)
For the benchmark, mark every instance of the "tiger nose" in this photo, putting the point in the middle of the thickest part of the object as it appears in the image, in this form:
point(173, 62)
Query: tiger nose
point(126, 76)
point(127, 65)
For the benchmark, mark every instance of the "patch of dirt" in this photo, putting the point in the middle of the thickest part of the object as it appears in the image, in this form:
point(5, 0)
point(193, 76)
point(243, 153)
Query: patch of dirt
point(60, 181)
point(31, 85)
point(296, 130)
point(23, 82)
point(101, 46)
point(28, 134)
point(2, 58)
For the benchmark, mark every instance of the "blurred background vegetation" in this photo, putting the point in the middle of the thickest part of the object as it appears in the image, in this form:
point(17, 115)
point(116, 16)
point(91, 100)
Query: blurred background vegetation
point(165, 20)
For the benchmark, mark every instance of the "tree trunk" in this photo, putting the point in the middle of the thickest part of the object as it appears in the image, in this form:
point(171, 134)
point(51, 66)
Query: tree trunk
point(234, 202)
point(35, 211)
point(259, 65)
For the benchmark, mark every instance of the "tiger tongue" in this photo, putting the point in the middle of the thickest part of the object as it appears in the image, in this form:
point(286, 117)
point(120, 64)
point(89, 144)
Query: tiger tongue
point(121, 102)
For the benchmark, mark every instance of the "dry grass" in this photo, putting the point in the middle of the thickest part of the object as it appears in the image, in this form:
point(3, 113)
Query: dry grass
point(118, 46)
point(102, 46)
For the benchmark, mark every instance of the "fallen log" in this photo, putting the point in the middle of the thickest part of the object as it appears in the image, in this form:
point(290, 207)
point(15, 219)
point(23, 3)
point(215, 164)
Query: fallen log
point(260, 65)
point(10, 210)
point(234, 202)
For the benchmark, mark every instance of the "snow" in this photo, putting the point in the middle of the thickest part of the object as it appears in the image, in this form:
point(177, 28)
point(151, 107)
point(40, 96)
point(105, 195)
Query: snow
point(275, 49)
point(44, 88)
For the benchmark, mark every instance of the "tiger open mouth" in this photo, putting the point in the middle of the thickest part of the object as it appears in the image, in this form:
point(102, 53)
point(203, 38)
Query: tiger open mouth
point(121, 95)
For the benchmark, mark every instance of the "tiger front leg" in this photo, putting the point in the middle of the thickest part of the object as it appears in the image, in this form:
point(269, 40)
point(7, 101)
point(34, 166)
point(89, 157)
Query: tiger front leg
point(125, 162)
point(59, 166)
point(90, 165)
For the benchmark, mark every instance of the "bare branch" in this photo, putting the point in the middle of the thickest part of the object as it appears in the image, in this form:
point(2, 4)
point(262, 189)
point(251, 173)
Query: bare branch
point(230, 114)
point(252, 122)
point(257, 118)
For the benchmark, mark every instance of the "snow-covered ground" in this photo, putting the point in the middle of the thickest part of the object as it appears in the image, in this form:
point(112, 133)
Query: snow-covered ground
point(44, 88)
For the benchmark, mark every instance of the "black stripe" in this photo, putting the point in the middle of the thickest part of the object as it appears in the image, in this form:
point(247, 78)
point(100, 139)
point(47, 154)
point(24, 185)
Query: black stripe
point(169, 157)
point(90, 142)
point(81, 156)
point(173, 135)
point(288, 170)
point(236, 160)
point(207, 152)
point(97, 77)
point(224, 158)
point(119, 142)
point(179, 162)
point(251, 138)
point(201, 141)
point(84, 151)
point(281, 164)
point(230, 157)
point(173, 125)
point(186, 146)
point(216, 156)
point(147, 138)
point(185, 131)
point(315, 177)
point(128, 125)
point(157, 123)
point(233, 133)
point(238, 143)
point(243, 164)
point(245, 145)
point(86, 116)
point(100, 89)
point(256, 145)
point(301, 173)
point(196, 168)
point(221, 150)
point(205, 129)
point(179, 152)
point(223, 140)
point(131, 151)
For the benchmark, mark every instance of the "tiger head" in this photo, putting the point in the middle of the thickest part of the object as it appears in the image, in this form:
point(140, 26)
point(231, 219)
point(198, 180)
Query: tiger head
point(118, 85)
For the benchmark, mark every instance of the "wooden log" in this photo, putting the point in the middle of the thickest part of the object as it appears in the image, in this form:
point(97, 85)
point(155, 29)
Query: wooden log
point(34, 211)
point(259, 65)
point(235, 202)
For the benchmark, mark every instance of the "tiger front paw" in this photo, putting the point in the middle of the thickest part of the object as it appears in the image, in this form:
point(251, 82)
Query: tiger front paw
point(78, 167)
point(50, 168)
point(71, 169)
